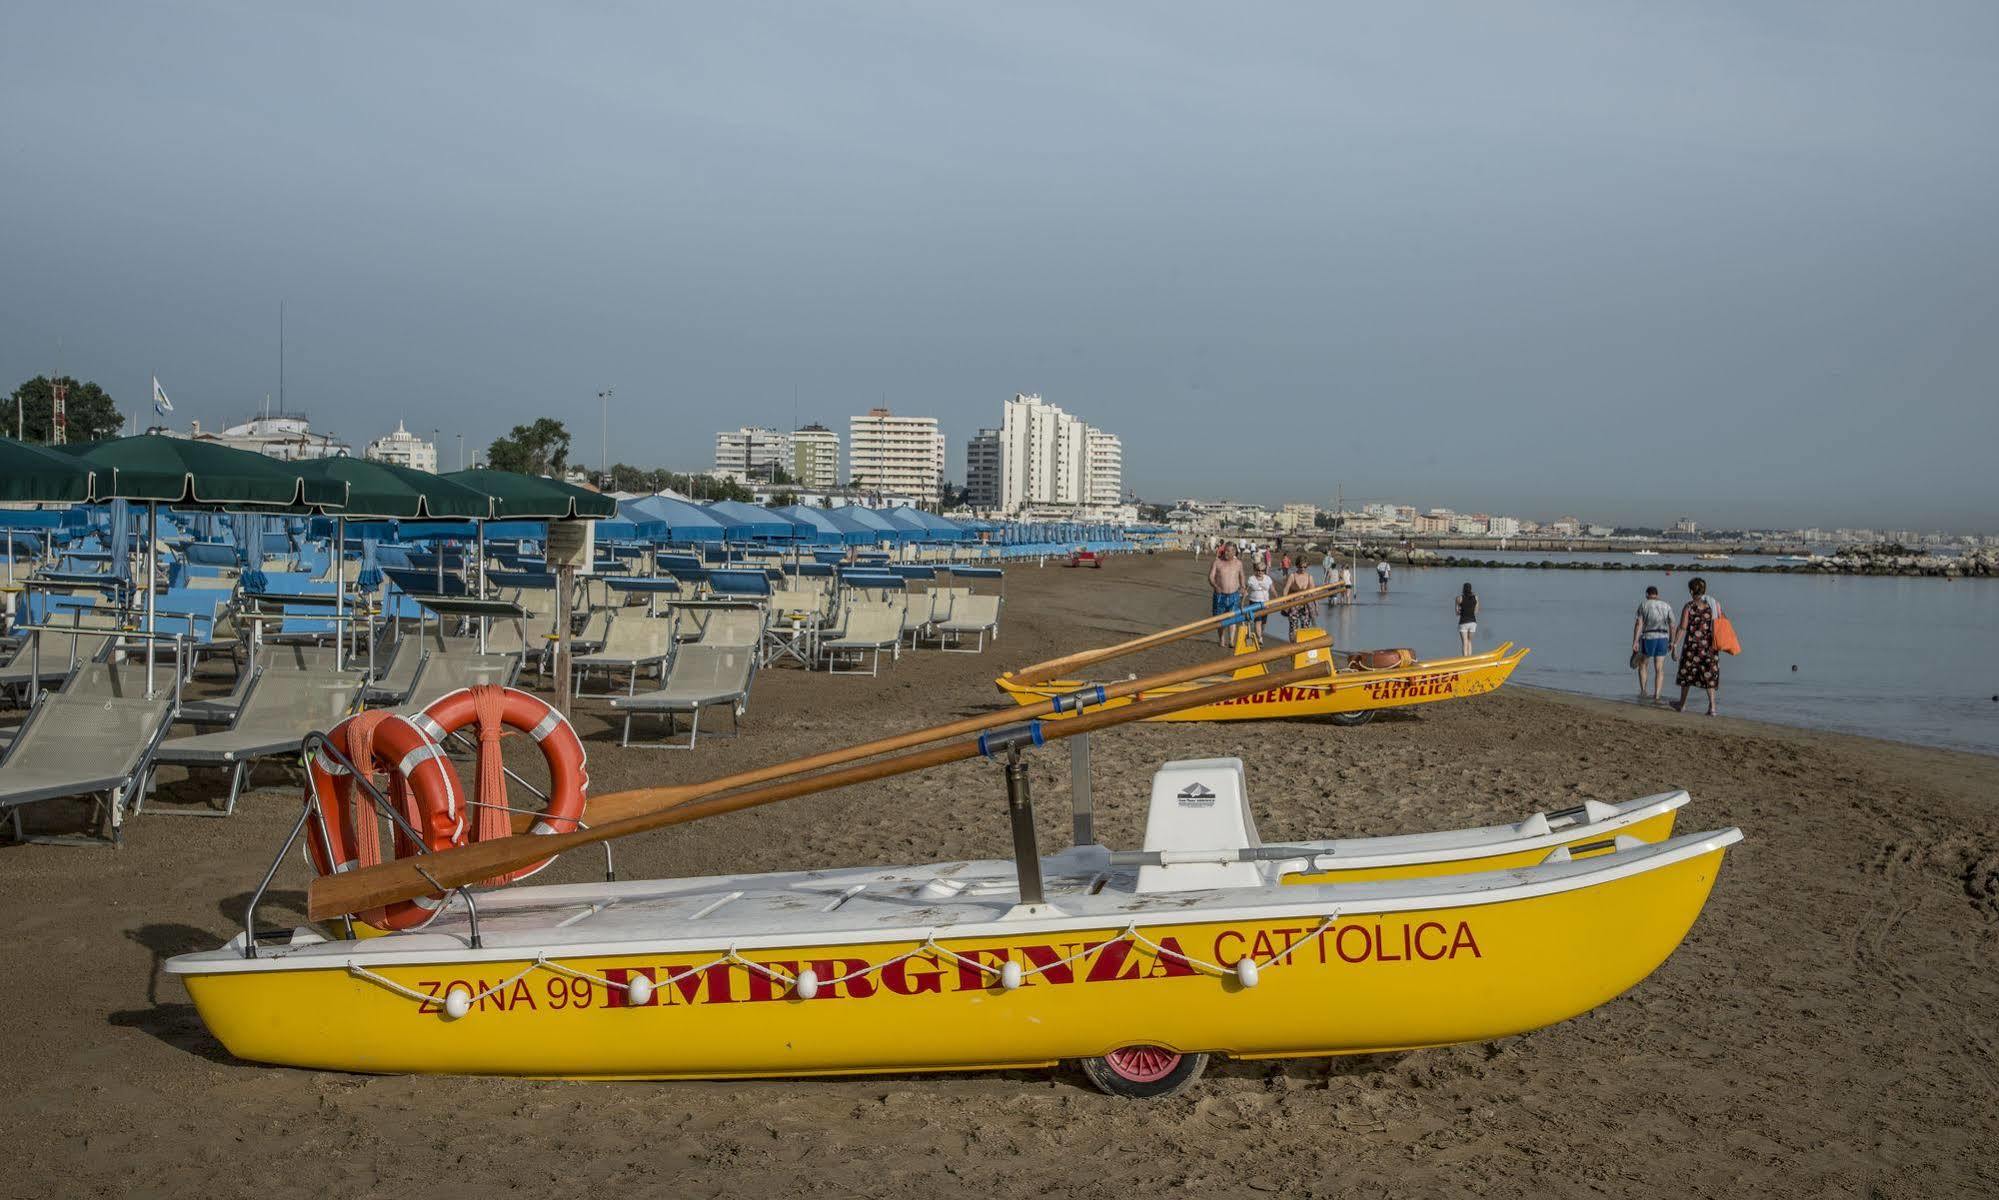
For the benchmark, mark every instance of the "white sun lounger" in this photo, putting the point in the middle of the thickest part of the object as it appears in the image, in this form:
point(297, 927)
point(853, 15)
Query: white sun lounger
point(281, 707)
point(700, 676)
point(95, 737)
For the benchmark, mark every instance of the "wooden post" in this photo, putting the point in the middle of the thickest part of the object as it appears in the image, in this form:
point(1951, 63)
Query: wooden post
point(565, 583)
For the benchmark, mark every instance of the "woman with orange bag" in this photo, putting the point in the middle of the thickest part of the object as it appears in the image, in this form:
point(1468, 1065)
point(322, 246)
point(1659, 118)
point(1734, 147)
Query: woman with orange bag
point(1694, 646)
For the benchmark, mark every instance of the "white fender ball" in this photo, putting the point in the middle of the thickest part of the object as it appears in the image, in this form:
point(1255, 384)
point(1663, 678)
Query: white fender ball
point(638, 991)
point(807, 984)
point(457, 1002)
point(1246, 972)
point(1010, 976)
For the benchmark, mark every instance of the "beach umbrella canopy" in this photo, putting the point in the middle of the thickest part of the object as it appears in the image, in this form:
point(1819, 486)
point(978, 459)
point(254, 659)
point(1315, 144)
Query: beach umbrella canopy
point(31, 474)
point(867, 520)
point(742, 522)
point(174, 470)
point(673, 520)
point(527, 496)
point(814, 525)
point(377, 489)
point(908, 520)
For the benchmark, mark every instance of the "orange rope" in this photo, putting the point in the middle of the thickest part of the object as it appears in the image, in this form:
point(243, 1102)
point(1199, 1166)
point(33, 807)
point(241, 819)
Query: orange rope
point(489, 704)
point(360, 748)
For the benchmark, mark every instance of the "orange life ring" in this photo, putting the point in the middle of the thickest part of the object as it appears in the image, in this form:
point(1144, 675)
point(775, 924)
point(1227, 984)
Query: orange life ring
point(495, 710)
point(422, 786)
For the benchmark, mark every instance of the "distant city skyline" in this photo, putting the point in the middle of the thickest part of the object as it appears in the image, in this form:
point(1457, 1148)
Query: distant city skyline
point(1726, 261)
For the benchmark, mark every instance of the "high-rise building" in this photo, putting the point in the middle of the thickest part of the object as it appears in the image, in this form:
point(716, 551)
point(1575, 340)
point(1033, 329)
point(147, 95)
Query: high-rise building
point(900, 456)
point(403, 449)
point(750, 452)
point(1106, 467)
point(1048, 456)
point(982, 470)
point(815, 457)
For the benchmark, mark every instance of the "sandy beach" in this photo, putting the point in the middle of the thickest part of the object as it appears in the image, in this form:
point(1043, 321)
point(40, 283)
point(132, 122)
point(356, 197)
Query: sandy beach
point(1830, 1027)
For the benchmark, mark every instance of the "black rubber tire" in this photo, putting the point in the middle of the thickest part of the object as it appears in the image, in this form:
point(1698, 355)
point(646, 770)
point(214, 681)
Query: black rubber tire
point(1349, 720)
point(1109, 1081)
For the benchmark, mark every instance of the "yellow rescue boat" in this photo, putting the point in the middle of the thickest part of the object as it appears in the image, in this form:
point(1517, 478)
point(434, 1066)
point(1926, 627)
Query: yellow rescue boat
point(1141, 964)
point(1352, 696)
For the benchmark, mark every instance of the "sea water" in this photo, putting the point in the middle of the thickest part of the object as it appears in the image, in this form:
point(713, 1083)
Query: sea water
point(1912, 659)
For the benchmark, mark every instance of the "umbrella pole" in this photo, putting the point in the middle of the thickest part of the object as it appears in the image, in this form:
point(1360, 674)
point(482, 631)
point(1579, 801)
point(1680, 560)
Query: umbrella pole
point(152, 539)
point(479, 573)
point(339, 593)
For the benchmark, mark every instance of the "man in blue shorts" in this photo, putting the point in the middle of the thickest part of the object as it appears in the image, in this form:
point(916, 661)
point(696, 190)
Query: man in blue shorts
point(1651, 634)
point(1225, 579)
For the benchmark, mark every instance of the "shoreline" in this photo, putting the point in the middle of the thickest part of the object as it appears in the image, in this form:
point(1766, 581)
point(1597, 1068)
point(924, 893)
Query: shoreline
point(1896, 567)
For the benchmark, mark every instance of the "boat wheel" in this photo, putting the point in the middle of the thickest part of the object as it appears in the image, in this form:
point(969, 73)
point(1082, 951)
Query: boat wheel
point(1350, 719)
point(1144, 1072)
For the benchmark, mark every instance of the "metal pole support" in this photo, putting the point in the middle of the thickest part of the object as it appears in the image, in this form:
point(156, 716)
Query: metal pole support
point(1082, 803)
point(1020, 807)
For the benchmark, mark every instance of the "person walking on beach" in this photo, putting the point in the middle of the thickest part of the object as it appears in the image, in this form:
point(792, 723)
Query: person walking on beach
point(1465, 604)
point(1381, 574)
point(1299, 616)
point(1651, 634)
point(1225, 580)
point(1259, 585)
point(1693, 645)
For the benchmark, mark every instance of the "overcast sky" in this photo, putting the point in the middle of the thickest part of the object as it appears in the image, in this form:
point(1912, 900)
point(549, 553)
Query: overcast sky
point(1739, 261)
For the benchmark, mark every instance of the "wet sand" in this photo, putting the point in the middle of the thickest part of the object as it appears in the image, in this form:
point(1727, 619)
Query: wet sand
point(1830, 1027)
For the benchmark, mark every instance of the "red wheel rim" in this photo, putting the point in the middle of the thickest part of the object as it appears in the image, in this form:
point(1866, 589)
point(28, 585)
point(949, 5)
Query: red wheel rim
point(1143, 1064)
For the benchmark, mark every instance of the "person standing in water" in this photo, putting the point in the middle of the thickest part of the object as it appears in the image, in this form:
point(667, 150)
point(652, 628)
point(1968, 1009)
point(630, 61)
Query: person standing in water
point(1381, 570)
point(1651, 635)
point(1225, 580)
point(1693, 643)
point(1465, 604)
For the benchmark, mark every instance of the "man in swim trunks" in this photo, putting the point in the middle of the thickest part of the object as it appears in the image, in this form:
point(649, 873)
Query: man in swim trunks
point(1225, 579)
point(1651, 635)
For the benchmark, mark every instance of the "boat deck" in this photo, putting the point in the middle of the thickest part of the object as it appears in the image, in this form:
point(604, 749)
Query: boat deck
point(857, 906)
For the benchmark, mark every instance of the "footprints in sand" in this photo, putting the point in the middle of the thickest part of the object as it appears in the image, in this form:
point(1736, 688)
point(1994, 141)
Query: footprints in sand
point(1972, 867)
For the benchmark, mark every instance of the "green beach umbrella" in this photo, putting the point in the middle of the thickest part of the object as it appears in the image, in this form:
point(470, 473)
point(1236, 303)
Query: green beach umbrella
point(528, 497)
point(376, 489)
point(31, 474)
point(170, 470)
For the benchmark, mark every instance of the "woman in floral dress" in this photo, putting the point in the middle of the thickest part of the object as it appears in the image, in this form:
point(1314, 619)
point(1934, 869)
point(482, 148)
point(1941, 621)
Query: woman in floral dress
point(1693, 645)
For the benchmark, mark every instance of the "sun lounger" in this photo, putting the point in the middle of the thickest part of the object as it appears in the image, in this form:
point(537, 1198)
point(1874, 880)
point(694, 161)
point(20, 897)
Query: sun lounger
point(701, 676)
point(282, 706)
point(396, 674)
point(733, 626)
point(871, 626)
point(450, 664)
point(93, 738)
point(634, 643)
point(968, 615)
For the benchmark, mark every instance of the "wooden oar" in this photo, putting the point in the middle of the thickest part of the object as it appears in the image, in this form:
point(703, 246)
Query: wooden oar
point(424, 874)
point(616, 806)
point(1057, 667)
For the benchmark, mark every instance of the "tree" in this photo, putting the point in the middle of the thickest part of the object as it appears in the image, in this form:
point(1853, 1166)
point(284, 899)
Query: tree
point(784, 499)
point(538, 449)
point(88, 408)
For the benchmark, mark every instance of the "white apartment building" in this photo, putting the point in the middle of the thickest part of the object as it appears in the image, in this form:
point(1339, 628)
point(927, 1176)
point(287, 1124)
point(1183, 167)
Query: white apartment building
point(1504, 527)
point(403, 449)
point(1049, 457)
point(750, 452)
point(1106, 467)
point(904, 455)
point(815, 457)
point(982, 470)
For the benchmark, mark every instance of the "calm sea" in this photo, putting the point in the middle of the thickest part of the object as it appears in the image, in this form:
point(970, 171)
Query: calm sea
point(1916, 660)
